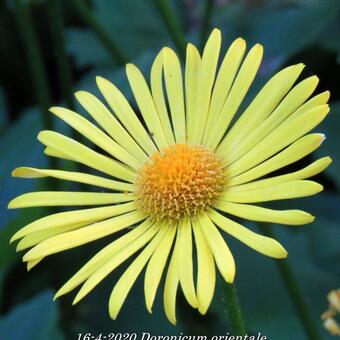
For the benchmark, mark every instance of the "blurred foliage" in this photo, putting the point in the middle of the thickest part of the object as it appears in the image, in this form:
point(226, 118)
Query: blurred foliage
point(18, 144)
point(144, 32)
point(292, 31)
point(331, 145)
point(37, 318)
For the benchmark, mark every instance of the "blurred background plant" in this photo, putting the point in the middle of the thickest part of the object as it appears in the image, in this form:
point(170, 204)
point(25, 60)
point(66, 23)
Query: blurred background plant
point(51, 48)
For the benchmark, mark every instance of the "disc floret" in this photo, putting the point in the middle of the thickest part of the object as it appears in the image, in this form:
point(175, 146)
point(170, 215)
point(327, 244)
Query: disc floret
point(181, 180)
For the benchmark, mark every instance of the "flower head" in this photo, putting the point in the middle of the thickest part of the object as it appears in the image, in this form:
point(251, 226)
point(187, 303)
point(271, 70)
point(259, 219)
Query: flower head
point(174, 174)
point(329, 316)
point(183, 180)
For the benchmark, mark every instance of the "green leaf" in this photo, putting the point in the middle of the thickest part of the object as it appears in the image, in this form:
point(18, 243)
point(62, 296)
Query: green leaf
point(85, 48)
point(134, 26)
point(264, 298)
point(18, 147)
point(283, 31)
point(143, 29)
point(36, 319)
point(329, 39)
point(324, 232)
point(8, 253)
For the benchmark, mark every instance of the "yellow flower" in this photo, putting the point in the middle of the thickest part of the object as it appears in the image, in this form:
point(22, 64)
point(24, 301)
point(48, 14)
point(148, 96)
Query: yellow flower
point(177, 171)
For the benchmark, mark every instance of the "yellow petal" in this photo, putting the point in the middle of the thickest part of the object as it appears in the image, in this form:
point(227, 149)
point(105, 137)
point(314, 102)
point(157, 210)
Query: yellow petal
point(102, 257)
point(34, 238)
point(205, 82)
point(146, 104)
point(65, 198)
point(262, 244)
point(156, 266)
point(296, 151)
point(32, 264)
point(174, 88)
point(223, 84)
point(206, 275)
point(111, 264)
point(192, 65)
point(126, 115)
point(156, 80)
point(294, 102)
point(285, 134)
point(110, 124)
point(309, 171)
point(95, 135)
point(126, 281)
point(281, 191)
point(75, 238)
point(50, 151)
point(74, 177)
point(223, 257)
point(171, 286)
point(71, 217)
point(317, 100)
point(262, 106)
point(85, 155)
point(237, 147)
point(255, 213)
point(237, 93)
point(186, 272)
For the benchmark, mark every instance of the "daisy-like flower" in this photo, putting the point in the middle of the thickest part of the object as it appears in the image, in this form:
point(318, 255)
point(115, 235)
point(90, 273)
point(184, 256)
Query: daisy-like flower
point(176, 175)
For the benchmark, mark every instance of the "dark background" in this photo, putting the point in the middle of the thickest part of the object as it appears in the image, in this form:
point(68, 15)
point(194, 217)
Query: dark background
point(99, 43)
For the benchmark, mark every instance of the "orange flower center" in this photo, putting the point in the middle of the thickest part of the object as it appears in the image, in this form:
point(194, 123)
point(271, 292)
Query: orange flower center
point(181, 180)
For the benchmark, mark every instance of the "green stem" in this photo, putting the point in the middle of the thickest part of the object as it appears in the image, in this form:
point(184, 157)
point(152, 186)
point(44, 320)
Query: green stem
point(173, 25)
point(92, 22)
point(63, 66)
point(35, 60)
point(294, 291)
point(36, 65)
point(206, 21)
point(234, 309)
point(37, 68)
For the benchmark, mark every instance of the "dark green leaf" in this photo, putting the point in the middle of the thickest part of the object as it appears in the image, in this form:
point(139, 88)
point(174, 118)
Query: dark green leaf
point(18, 147)
point(267, 306)
point(134, 26)
point(283, 31)
point(36, 319)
